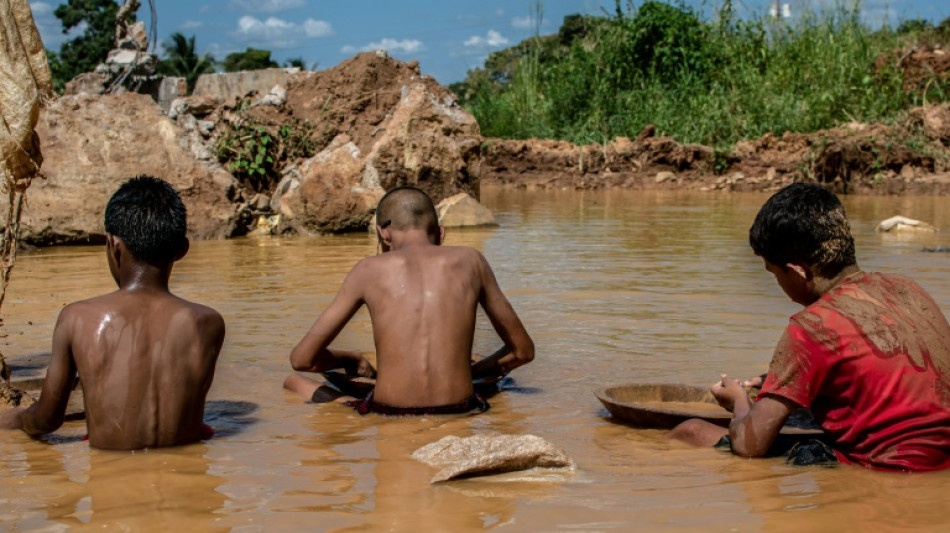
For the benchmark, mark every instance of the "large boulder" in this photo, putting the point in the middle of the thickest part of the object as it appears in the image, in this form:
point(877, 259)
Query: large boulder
point(390, 126)
point(461, 210)
point(91, 144)
point(321, 195)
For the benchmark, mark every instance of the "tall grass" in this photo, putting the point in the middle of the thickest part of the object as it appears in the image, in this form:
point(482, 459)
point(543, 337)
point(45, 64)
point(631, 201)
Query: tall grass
point(712, 82)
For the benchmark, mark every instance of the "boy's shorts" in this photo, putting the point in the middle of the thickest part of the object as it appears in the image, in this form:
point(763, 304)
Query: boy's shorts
point(797, 451)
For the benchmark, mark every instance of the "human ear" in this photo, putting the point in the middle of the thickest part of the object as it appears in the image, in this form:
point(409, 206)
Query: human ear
point(184, 250)
point(801, 270)
point(441, 235)
point(384, 236)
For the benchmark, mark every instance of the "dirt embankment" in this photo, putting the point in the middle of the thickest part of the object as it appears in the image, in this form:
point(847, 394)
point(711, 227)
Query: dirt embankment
point(856, 158)
point(912, 157)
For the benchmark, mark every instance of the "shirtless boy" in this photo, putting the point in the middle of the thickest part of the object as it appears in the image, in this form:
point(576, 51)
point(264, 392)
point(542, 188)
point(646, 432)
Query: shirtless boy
point(869, 354)
point(145, 357)
point(422, 299)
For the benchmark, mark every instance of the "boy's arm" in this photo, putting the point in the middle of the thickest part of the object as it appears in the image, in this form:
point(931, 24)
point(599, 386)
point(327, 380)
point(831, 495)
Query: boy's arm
point(754, 427)
point(312, 354)
point(503, 318)
point(46, 415)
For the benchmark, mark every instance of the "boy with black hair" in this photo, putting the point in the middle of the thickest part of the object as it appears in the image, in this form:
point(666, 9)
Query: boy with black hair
point(422, 299)
point(869, 354)
point(144, 356)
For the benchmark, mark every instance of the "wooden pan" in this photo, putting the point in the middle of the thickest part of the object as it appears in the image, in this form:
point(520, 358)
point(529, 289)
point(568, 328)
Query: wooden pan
point(662, 405)
point(665, 405)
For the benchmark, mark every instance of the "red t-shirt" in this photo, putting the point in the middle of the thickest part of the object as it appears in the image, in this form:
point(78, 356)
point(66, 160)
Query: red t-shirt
point(871, 358)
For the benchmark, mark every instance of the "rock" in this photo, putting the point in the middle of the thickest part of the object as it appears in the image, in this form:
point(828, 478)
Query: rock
point(664, 176)
point(260, 202)
point(938, 249)
point(461, 210)
point(276, 97)
point(175, 108)
point(481, 455)
point(907, 172)
point(91, 145)
point(87, 83)
point(426, 144)
point(225, 183)
point(328, 196)
point(400, 131)
point(904, 224)
point(648, 132)
point(205, 127)
point(201, 106)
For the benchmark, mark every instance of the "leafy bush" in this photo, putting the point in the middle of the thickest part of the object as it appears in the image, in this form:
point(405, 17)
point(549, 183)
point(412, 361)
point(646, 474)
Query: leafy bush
point(256, 154)
point(710, 82)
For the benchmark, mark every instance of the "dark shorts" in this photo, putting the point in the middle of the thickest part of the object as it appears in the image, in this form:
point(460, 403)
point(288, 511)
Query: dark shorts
point(796, 451)
point(367, 405)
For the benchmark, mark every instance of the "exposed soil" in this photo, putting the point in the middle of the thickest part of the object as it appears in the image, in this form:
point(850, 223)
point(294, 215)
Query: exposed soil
point(913, 157)
point(11, 397)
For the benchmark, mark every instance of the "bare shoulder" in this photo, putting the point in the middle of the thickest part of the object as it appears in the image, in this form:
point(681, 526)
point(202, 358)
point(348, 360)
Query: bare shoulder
point(202, 314)
point(86, 309)
point(466, 254)
point(369, 268)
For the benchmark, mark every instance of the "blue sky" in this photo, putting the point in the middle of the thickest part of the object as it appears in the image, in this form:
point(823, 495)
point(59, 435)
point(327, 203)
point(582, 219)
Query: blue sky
point(447, 37)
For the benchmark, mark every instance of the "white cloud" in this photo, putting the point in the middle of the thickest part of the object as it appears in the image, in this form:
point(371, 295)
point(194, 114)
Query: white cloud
point(522, 22)
point(268, 6)
point(279, 33)
point(317, 28)
point(391, 45)
point(191, 24)
point(492, 39)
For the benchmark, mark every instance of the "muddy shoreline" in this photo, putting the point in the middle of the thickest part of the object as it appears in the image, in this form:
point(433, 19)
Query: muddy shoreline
point(911, 157)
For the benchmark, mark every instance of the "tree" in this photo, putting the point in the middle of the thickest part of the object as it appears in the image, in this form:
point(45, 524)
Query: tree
point(181, 60)
point(56, 70)
point(250, 59)
point(85, 51)
point(914, 26)
point(299, 63)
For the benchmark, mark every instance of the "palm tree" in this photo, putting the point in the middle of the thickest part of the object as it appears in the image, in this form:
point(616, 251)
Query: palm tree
point(181, 60)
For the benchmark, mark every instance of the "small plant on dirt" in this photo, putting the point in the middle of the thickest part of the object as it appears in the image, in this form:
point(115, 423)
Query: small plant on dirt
point(256, 153)
point(720, 162)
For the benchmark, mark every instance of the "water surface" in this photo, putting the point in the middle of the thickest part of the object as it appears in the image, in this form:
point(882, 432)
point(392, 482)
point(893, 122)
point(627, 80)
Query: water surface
point(614, 287)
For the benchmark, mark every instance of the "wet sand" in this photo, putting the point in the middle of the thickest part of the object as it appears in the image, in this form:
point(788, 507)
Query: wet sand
point(615, 287)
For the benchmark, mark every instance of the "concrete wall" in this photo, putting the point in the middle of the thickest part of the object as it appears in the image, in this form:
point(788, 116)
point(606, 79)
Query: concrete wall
point(231, 85)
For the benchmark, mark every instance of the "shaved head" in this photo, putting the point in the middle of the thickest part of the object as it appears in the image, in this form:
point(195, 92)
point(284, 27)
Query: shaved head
point(405, 208)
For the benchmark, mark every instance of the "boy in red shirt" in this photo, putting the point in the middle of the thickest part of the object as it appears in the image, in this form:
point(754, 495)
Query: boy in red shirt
point(869, 354)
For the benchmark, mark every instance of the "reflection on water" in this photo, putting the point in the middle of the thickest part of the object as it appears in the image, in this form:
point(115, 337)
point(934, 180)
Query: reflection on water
point(614, 286)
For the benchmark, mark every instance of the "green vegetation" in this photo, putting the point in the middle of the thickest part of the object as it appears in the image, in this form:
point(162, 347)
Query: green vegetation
point(182, 61)
point(713, 82)
point(250, 59)
point(84, 52)
point(256, 153)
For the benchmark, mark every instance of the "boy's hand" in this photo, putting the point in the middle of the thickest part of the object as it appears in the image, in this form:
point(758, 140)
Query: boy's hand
point(11, 419)
point(361, 367)
point(728, 392)
point(754, 383)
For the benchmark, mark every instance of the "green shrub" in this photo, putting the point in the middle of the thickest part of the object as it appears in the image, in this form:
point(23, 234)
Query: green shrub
point(712, 82)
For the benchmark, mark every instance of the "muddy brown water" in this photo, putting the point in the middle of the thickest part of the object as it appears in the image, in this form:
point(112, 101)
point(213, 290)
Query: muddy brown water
point(614, 286)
